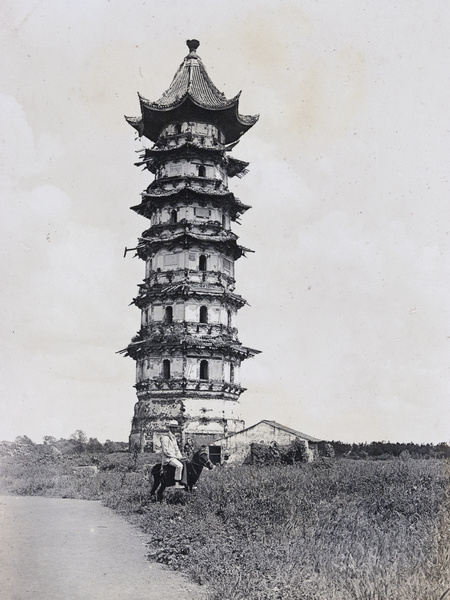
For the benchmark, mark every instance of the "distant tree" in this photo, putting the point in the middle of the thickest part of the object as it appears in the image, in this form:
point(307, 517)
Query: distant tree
point(80, 440)
point(49, 440)
point(341, 449)
point(326, 449)
point(111, 446)
point(25, 440)
point(442, 450)
point(94, 446)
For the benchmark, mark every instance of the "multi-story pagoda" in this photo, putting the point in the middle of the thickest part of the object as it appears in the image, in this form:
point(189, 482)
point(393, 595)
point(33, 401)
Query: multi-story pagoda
point(187, 351)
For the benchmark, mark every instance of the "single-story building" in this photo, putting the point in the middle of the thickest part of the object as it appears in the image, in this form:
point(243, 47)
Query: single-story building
point(236, 446)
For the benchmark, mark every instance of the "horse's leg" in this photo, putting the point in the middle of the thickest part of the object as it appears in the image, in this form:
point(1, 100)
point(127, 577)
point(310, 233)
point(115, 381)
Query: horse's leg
point(161, 489)
point(156, 482)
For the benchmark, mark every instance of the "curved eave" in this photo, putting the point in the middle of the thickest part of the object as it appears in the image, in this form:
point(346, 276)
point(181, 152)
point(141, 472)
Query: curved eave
point(236, 167)
point(184, 182)
point(162, 148)
point(136, 122)
point(218, 103)
point(187, 239)
point(151, 159)
point(142, 348)
point(187, 291)
point(144, 301)
point(153, 201)
point(227, 119)
point(173, 236)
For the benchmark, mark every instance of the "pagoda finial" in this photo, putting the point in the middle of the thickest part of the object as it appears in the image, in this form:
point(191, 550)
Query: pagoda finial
point(192, 45)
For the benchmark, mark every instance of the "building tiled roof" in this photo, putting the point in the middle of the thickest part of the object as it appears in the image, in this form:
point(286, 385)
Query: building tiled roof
point(192, 79)
point(292, 431)
point(276, 425)
point(192, 84)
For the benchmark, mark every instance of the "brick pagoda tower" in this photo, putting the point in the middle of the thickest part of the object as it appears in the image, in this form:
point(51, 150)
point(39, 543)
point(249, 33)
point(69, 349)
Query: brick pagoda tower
point(187, 351)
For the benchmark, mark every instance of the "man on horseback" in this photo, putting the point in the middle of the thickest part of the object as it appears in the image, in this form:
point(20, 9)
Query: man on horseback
point(170, 452)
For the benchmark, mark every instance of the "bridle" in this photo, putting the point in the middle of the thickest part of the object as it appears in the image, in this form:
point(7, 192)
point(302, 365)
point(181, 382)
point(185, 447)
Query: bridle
point(198, 464)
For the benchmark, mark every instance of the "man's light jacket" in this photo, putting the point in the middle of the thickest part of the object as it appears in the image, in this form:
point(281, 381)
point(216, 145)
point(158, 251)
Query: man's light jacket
point(169, 448)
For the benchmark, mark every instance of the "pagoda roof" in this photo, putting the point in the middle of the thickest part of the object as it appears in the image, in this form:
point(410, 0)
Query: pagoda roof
point(186, 290)
point(153, 157)
point(152, 198)
point(184, 182)
point(185, 239)
point(186, 344)
point(163, 232)
point(192, 95)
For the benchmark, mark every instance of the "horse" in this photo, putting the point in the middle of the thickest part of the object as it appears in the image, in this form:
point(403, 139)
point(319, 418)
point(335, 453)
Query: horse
point(163, 477)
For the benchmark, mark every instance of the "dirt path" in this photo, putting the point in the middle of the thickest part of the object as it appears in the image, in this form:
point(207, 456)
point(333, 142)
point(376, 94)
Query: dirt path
point(54, 549)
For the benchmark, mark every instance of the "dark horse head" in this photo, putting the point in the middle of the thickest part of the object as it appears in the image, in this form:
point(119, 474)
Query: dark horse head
point(164, 477)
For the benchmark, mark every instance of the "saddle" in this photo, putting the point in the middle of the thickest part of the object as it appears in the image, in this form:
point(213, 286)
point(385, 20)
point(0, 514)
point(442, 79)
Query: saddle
point(168, 473)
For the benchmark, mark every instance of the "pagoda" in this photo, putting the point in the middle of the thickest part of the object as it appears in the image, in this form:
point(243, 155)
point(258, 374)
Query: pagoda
point(187, 350)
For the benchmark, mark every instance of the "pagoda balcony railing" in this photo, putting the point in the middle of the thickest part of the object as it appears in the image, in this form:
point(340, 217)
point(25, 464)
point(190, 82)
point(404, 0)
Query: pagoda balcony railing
point(189, 276)
point(189, 385)
point(178, 145)
point(166, 231)
point(198, 225)
point(160, 331)
point(190, 180)
point(173, 140)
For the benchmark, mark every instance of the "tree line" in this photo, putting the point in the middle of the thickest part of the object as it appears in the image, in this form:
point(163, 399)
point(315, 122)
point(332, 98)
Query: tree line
point(390, 449)
point(77, 443)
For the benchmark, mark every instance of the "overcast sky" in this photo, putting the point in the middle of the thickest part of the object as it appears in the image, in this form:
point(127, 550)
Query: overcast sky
point(349, 286)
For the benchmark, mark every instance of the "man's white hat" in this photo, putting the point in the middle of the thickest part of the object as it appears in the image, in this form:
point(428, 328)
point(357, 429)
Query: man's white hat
point(173, 423)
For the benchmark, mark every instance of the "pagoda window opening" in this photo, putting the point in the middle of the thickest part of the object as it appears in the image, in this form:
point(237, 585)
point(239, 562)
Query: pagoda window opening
point(166, 368)
point(202, 263)
point(201, 171)
point(202, 213)
point(204, 369)
point(173, 216)
point(231, 373)
point(227, 265)
point(148, 267)
point(224, 221)
point(168, 315)
point(177, 128)
point(203, 314)
point(229, 318)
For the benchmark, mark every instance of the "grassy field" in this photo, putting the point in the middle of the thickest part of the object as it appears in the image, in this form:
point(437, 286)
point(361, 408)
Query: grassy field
point(330, 530)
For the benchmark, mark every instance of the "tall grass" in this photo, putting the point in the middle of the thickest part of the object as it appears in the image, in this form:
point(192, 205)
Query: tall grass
point(343, 530)
point(331, 530)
